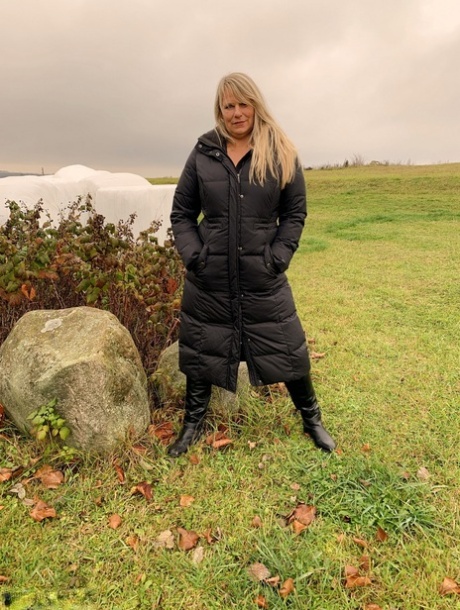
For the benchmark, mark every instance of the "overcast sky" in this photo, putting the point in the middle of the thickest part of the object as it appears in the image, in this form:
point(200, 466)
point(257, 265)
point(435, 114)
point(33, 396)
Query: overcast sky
point(128, 85)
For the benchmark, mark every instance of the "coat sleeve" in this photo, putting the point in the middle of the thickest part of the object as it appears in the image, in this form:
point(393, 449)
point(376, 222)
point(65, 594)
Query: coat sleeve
point(291, 220)
point(185, 212)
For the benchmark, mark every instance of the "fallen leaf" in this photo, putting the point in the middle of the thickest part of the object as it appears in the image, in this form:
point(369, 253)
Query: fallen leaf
point(42, 511)
point(252, 445)
point(164, 432)
point(258, 571)
point(366, 448)
point(194, 459)
point(353, 578)
point(287, 587)
point(261, 602)
point(120, 473)
point(304, 513)
point(298, 527)
point(139, 449)
point(381, 535)
point(372, 607)
point(222, 442)
point(333, 477)
point(19, 489)
point(188, 539)
point(198, 555)
point(295, 486)
point(317, 355)
point(340, 538)
point(144, 489)
point(186, 501)
point(50, 478)
point(165, 540)
point(133, 541)
point(115, 521)
point(5, 474)
point(273, 581)
point(361, 542)
point(365, 563)
point(4, 579)
point(256, 522)
point(423, 474)
point(449, 587)
point(219, 439)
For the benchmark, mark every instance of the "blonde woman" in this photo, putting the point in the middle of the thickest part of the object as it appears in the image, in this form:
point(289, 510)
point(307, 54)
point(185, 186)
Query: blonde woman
point(245, 179)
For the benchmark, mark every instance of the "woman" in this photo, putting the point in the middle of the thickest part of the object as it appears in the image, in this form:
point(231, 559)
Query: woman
point(245, 179)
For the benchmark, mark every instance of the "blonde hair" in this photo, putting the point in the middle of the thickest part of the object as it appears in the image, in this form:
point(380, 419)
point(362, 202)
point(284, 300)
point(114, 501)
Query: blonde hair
point(273, 152)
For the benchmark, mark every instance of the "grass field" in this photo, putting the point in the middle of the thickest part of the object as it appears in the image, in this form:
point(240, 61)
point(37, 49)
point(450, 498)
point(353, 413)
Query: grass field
point(376, 285)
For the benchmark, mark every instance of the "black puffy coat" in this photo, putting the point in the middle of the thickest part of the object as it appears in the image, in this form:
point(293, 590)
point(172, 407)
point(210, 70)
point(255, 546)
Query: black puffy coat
point(236, 298)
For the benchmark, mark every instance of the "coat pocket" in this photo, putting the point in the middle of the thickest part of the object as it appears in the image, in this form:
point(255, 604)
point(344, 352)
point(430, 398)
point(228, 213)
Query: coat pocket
point(269, 260)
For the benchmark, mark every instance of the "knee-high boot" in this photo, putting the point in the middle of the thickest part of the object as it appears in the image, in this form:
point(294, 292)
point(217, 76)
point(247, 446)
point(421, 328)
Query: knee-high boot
point(304, 398)
point(197, 397)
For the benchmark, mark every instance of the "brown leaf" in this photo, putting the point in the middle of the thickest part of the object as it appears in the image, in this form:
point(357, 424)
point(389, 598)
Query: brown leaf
point(295, 486)
point(144, 489)
point(372, 607)
point(423, 474)
point(188, 539)
point(133, 541)
point(115, 521)
point(365, 563)
point(4, 579)
point(218, 439)
point(165, 540)
point(317, 355)
point(381, 535)
point(449, 587)
point(5, 474)
point(186, 501)
point(361, 542)
point(256, 522)
point(357, 581)
point(50, 478)
point(258, 571)
point(261, 602)
point(333, 477)
point(287, 587)
point(298, 527)
point(304, 513)
point(194, 459)
point(221, 442)
point(164, 432)
point(366, 448)
point(341, 537)
point(120, 473)
point(2, 414)
point(42, 511)
point(274, 581)
point(198, 555)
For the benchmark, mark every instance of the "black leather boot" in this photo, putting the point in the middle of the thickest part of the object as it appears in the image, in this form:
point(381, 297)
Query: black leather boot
point(197, 396)
point(304, 398)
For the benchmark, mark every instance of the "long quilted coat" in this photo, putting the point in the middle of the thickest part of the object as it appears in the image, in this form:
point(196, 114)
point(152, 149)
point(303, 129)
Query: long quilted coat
point(236, 239)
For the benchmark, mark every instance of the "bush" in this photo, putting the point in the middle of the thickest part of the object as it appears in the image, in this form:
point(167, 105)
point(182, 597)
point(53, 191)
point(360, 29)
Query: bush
point(84, 261)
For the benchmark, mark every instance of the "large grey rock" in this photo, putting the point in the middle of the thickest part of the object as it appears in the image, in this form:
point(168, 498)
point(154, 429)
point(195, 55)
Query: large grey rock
point(87, 360)
point(170, 382)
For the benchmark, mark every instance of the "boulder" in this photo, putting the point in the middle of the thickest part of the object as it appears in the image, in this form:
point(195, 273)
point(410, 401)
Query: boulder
point(170, 382)
point(86, 360)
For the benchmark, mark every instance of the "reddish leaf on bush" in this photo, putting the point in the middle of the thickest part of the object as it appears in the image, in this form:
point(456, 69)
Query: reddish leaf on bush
point(449, 587)
point(287, 587)
point(143, 488)
point(304, 513)
point(164, 432)
point(115, 521)
point(381, 535)
point(188, 539)
point(42, 511)
point(261, 602)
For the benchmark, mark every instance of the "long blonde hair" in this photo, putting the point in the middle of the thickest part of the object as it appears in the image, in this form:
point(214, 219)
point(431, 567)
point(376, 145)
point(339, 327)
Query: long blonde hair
point(273, 152)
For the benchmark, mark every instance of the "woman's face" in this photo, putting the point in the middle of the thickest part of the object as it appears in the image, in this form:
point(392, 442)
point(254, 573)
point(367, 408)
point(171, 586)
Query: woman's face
point(238, 117)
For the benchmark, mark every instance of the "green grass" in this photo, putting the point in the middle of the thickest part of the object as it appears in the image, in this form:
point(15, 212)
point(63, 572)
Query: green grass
point(376, 285)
